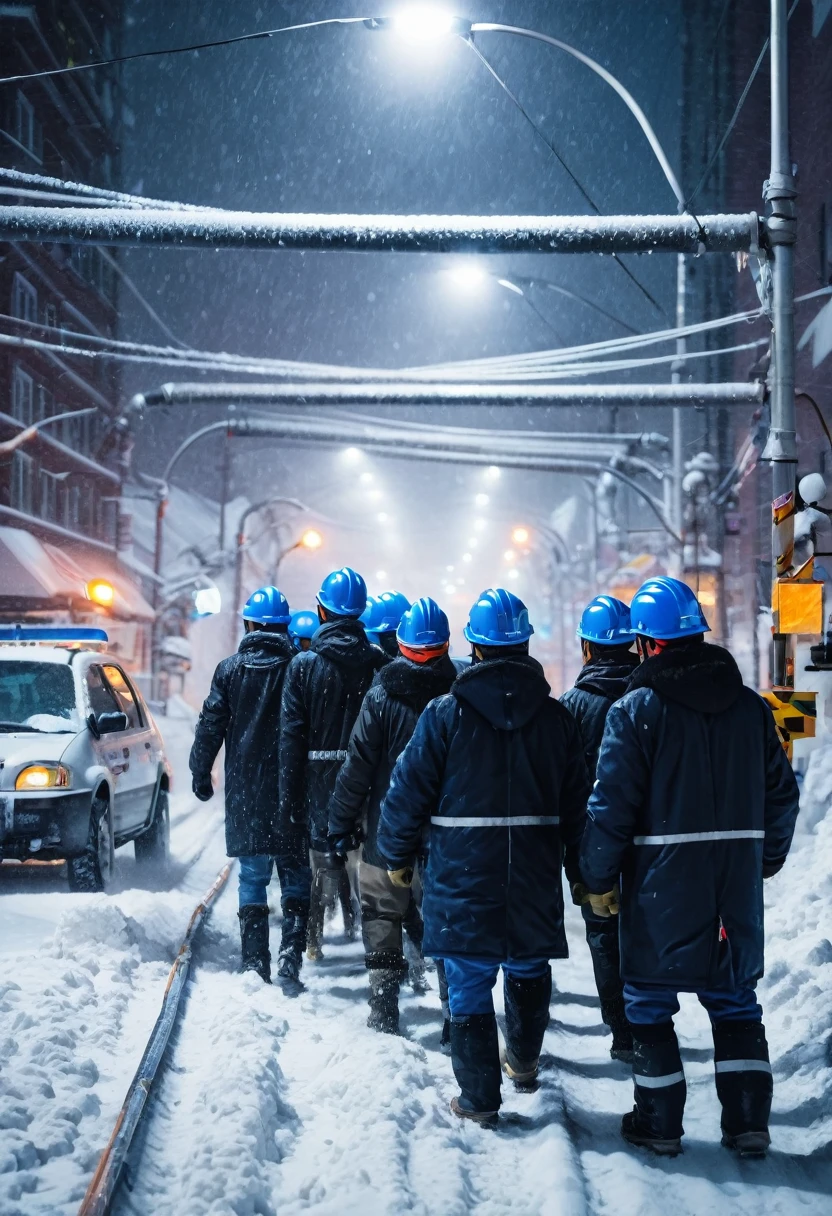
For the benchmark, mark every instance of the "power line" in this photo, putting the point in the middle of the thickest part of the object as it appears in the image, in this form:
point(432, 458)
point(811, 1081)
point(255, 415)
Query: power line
point(541, 134)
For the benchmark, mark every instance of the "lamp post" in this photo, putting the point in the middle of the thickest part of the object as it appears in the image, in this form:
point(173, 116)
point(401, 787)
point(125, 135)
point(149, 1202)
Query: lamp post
point(253, 509)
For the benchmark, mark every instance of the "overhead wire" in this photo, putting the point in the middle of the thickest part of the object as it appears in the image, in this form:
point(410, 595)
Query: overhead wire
point(541, 134)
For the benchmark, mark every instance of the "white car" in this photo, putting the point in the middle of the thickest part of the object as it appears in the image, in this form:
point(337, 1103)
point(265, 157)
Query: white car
point(82, 764)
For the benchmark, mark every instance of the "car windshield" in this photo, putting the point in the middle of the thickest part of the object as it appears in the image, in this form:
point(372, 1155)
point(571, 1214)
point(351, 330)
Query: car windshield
point(37, 697)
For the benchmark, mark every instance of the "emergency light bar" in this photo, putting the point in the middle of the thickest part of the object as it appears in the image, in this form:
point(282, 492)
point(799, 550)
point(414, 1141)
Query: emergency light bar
point(66, 634)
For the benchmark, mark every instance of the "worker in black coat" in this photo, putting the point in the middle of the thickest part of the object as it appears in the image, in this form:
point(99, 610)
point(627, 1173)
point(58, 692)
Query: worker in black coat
point(242, 710)
point(382, 730)
point(322, 695)
point(494, 776)
point(609, 662)
point(693, 807)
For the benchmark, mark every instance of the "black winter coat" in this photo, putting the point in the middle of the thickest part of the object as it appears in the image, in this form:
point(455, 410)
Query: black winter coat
point(242, 710)
point(382, 730)
point(495, 773)
point(322, 695)
point(694, 804)
point(601, 682)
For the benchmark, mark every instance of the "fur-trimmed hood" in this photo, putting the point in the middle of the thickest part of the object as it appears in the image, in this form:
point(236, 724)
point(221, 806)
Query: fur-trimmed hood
point(417, 683)
point(608, 678)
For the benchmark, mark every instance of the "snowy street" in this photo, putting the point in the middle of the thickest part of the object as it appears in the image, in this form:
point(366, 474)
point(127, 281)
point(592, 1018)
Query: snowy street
point(271, 1105)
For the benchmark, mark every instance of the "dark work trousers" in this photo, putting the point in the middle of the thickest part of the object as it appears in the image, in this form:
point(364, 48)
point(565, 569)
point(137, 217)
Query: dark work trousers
point(330, 882)
point(385, 910)
point(602, 939)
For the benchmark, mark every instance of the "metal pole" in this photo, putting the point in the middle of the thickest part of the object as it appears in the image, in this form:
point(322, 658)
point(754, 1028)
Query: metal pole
point(678, 510)
point(158, 542)
point(225, 481)
point(781, 449)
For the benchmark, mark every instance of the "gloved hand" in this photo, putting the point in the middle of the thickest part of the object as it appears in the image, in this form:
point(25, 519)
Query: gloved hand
point(580, 893)
point(402, 877)
point(347, 843)
point(607, 904)
point(203, 787)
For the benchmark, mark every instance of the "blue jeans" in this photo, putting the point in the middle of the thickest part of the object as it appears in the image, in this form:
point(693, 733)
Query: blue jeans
point(646, 1005)
point(255, 876)
point(470, 981)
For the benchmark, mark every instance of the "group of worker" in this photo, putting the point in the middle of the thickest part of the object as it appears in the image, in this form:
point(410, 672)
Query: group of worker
point(658, 784)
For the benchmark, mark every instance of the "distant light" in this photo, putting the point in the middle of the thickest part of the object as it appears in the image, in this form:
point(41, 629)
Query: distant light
point(381, 576)
point(493, 472)
point(521, 536)
point(374, 496)
point(101, 592)
point(207, 601)
point(513, 573)
point(466, 557)
point(366, 479)
point(450, 589)
point(510, 555)
point(352, 455)
point(509, 286)
point(311, 539)
point(450, 569)
point(480, 525)
point(482, 500)
point(422, 23)
point(382, 517)
point(467, 275)
point(473, 541)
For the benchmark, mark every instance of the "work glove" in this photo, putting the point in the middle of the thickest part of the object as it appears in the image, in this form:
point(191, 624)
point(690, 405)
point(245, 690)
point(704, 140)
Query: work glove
point(401, 878)
point(580, 893)
point(347, 843)
point(607, 904)
point(203, 787)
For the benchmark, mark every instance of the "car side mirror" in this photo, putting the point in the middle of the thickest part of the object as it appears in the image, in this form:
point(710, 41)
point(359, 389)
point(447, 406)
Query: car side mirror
point(109, 723)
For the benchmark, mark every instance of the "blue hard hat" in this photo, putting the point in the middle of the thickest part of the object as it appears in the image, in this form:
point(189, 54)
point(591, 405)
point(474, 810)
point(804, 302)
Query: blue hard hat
point(303, 624)
point(666, 608)
point(343, 593)
point(424, 624)
point(383, 612)
point(606, 621)
point(268, 606)
point(498, 619)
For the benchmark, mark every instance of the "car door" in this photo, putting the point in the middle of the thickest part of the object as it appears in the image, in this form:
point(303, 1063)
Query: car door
point(139, 744)
point(113, 749)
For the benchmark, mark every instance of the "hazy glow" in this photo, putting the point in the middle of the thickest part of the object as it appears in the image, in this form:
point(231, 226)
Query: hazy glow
point(207, 601)
point(366, 479)
point(480, 525)
point(514, 573)
point(473, 541)
point(520, 536)
point(101, 592)
point(467, 275)
point(422, 23)
point(382, 517)
point(352, 455)
point(381, 576)
point(482, 500)
point(311, 539)
point(450, 569)
point(510, 555)
point(374, 495)
point(466, 557)
point(492, 472)
point(450, 589)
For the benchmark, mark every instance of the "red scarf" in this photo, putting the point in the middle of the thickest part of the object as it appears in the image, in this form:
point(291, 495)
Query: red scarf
point(423, 654)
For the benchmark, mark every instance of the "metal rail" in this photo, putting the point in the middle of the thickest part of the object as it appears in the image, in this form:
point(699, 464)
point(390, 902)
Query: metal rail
point(105, 1180)
point(216, 229)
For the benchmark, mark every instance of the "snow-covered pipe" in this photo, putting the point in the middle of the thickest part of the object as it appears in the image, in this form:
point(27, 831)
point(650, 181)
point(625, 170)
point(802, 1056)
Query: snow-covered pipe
point(217, 229)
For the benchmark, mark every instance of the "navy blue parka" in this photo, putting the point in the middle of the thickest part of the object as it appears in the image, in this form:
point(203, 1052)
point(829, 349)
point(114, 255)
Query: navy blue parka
point(694, 804)
point(494, 780)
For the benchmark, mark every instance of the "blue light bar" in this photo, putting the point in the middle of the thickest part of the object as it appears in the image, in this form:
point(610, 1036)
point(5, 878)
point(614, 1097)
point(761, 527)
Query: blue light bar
point(51, 633)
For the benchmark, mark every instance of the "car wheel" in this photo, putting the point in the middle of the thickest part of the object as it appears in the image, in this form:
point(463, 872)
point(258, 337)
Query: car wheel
point(153, 846)
point(93, 870)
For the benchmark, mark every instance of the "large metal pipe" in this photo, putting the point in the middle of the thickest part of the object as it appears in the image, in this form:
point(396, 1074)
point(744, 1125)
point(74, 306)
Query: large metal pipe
point(216, 229)
point(780, 194)
point(453, 394)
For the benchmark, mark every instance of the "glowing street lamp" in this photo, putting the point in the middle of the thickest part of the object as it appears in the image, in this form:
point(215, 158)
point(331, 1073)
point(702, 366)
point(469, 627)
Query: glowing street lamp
point(422, 23)
point(101, 592)
point(521, 536)
point(311, 539)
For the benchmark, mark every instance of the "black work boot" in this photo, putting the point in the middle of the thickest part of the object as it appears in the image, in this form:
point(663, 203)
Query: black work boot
point(441, 979)
point(660, 1091)
point(744, 1085)
point(292, 940)
point(386, 970)
point(475, 1055)
point(614, 1016)
point(254, 940)
point(527, 1016)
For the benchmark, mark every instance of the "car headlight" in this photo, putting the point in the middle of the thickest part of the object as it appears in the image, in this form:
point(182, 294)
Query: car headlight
point(42, 777)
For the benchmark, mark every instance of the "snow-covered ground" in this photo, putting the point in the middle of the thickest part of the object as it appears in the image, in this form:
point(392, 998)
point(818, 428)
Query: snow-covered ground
point(270, 1105)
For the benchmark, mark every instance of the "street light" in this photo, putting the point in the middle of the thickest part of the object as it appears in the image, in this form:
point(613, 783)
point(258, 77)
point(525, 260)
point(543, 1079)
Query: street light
point(520, 536)
point(101, 592)
point(311, 539)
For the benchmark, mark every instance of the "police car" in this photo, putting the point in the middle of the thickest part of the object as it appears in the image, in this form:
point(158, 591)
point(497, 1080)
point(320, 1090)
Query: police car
point(82, 764)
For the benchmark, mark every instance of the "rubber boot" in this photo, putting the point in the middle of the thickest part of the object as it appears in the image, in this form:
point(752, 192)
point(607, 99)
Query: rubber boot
point(744, 1085)
point(292, 940)
point(475, 1055)
point(445, 1037)
point(614, 1016)
point(660, 1091)
point(527, 1016)
point(254, 940)
point(386, 969)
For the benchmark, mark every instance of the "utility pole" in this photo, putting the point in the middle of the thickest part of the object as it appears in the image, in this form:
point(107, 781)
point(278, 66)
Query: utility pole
point(678, 447)
point(780, 193)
